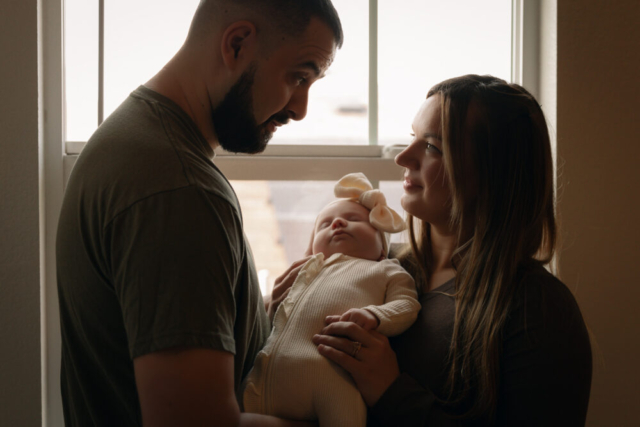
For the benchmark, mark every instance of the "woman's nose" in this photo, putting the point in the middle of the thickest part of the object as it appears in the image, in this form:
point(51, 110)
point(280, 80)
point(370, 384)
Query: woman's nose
point(407, 158)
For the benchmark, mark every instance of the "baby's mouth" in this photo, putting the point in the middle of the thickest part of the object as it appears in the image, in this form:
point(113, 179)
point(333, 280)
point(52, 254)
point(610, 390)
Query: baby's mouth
point(339, 233)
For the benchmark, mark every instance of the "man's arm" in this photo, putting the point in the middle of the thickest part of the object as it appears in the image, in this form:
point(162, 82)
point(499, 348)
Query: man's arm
point(192, 387)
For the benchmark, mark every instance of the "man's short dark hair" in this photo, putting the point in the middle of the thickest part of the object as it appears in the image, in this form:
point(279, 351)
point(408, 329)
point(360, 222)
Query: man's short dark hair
point(288, 17)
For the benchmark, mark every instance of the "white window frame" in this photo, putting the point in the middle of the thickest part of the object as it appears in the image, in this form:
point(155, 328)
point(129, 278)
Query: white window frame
point(278, 162)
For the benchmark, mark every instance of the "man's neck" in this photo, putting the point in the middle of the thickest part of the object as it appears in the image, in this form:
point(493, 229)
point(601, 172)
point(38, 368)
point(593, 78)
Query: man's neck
point(183, 87)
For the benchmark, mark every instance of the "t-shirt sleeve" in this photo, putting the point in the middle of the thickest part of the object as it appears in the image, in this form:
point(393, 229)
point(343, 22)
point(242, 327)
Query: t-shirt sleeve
point(175, 260)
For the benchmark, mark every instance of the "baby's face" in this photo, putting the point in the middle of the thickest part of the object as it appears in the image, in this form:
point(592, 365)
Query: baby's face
point(344, 227)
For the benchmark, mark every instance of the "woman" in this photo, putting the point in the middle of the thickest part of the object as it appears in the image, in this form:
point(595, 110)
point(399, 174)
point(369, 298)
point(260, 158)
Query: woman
point(499, 340)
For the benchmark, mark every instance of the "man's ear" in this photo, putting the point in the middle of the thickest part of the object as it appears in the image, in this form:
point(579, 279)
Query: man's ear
point(238, 44)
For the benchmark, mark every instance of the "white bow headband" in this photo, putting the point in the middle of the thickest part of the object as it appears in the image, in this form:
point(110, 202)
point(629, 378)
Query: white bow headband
point(357, 187)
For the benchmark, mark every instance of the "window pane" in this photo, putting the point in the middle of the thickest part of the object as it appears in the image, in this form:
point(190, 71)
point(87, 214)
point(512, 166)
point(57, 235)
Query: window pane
point(279, 217)
point(422, 42)
point(140, 38)
point(338, 104)
point(81, 68)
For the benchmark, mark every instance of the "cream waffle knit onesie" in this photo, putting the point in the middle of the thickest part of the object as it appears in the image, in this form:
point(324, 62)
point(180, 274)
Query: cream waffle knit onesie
point(290, 379)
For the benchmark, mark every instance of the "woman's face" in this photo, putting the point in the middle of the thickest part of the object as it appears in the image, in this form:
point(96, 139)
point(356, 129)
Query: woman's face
point(426, 187)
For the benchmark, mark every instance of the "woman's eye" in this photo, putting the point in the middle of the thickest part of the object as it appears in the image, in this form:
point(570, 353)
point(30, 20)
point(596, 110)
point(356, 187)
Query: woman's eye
point(431, 147)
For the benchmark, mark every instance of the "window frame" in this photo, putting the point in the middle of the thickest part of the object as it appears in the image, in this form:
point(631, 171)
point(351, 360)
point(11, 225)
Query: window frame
point(279, 162)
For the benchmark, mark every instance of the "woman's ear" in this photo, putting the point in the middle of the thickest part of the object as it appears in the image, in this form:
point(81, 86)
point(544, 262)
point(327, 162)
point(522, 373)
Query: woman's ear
point(238, 45)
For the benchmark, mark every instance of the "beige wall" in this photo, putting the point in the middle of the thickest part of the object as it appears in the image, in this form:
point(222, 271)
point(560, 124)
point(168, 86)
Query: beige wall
point(598, 123)
point(19, 216)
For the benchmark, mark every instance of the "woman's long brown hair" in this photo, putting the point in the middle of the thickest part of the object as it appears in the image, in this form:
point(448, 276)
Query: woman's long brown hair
point(497, 156)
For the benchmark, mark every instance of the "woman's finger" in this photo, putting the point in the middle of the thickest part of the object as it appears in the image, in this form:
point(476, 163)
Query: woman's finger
point(344, 345)
point(342, 359)
point(349, 330)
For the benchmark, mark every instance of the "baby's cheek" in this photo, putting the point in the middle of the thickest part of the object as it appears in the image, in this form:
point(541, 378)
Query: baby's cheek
point(319, 242)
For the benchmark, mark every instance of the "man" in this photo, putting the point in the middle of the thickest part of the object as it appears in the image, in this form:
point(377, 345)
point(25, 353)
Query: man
point(161, 313)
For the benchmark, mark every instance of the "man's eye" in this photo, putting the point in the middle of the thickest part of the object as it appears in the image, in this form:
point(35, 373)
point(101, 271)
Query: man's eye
point(300, 80)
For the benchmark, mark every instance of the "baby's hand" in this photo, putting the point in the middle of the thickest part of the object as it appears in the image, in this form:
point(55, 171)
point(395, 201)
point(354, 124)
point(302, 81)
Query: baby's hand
point(363, 318)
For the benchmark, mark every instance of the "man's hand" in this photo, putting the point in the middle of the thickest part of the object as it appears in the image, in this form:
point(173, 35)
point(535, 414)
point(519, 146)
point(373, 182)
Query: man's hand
point(361, 317)
point(282, 286)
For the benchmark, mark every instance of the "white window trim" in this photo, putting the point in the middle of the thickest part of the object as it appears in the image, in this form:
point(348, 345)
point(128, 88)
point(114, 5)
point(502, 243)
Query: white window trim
point(299, 162)
point(52, 90)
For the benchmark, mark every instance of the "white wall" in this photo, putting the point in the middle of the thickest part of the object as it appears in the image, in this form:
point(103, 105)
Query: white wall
point(598, 123)
point(20, 390)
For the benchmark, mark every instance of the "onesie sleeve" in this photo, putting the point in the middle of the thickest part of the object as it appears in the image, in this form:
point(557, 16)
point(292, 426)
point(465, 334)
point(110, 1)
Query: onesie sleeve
point(401, 305)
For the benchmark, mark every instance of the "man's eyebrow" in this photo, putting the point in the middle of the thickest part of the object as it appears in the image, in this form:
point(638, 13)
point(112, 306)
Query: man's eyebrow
point(313, 67)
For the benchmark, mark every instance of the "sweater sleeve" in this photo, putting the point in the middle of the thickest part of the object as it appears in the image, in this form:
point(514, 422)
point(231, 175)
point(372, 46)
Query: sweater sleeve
point(545, 369)
point(546, 359)
point(406, 403)
point(401, 305)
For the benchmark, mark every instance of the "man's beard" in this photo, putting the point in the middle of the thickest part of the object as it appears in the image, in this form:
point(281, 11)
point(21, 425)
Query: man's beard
point(235, 123)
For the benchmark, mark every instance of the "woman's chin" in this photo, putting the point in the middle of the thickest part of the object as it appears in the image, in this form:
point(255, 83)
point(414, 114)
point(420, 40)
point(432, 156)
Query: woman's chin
point(407, 204)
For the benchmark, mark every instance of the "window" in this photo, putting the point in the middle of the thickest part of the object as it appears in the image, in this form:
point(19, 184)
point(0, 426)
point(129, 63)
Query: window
point(390, 59)
point(355, 117)
point(394, 52)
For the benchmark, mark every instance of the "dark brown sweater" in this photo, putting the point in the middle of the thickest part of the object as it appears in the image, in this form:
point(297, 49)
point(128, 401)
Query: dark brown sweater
point(545, 366)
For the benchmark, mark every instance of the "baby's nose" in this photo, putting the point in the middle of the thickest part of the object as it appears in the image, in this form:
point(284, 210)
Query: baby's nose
point(338, 222)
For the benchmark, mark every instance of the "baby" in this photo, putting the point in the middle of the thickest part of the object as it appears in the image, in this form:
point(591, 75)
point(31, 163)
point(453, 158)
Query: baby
point(347, 275)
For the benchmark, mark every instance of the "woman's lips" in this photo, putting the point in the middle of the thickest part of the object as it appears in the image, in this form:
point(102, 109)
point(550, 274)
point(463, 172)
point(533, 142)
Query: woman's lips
point(410, 186)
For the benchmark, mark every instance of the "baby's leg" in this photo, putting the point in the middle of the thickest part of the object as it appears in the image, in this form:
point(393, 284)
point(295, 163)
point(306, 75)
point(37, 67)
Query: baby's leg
point(338, 402)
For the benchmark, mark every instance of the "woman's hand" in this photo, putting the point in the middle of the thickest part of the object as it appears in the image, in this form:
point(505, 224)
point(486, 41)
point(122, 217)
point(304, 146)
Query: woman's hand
point(282, 286)
point(372, 364)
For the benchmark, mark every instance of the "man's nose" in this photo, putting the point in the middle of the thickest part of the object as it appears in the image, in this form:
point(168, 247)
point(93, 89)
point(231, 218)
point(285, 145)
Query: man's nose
point(297, 106)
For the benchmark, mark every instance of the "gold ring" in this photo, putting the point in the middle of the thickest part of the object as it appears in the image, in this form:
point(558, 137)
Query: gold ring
point(356, 348)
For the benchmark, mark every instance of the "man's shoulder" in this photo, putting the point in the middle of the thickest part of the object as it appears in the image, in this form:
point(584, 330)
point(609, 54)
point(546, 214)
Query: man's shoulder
point(136, 154)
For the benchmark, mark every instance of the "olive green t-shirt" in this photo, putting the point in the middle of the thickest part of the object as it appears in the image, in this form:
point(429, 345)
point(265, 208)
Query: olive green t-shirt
point(151, 255)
